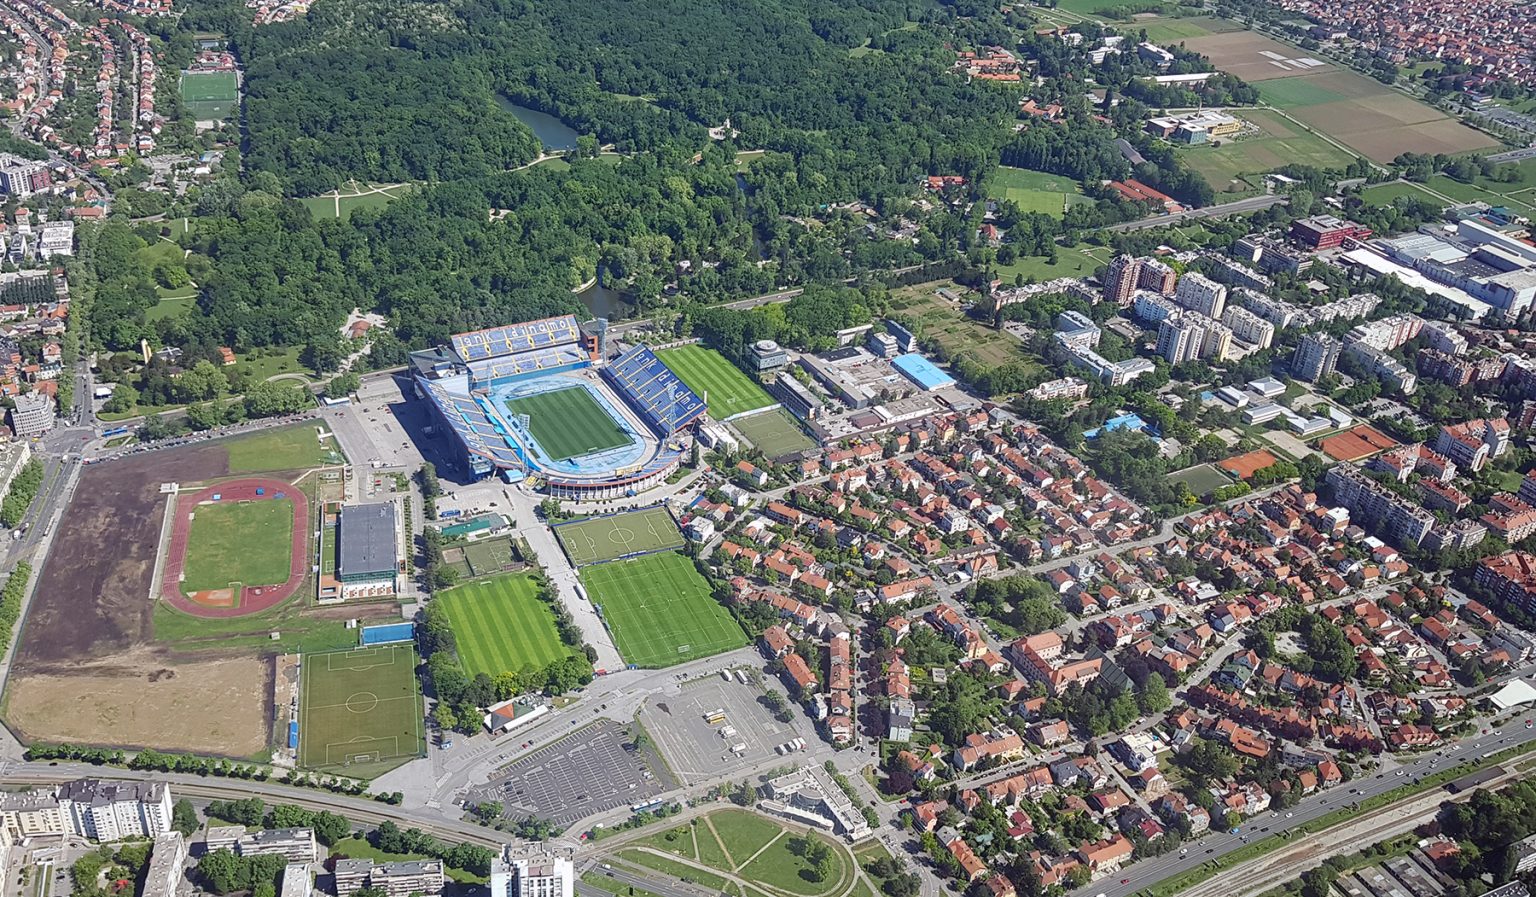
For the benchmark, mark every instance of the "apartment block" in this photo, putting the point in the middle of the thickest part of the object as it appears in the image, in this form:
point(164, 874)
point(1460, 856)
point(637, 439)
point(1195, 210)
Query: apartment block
point(534, 870)
point(296, 845)
point(1316, 357)
point(1157, 277)
point(112, 811)
point(1248, 327)
point(1120, 279)
point(167, 866)
point(424, 877)
point(1199, 293)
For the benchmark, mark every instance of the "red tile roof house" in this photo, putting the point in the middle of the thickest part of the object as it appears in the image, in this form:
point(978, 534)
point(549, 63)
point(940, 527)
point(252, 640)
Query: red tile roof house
point(1106, 856)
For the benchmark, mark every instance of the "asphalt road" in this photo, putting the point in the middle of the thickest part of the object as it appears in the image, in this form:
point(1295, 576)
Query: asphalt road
point(1514, 155)
point(1238, 207)
point(1149, 872)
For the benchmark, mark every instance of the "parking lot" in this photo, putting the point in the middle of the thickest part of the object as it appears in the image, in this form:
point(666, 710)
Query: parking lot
point(590, 771)
point(695, 748)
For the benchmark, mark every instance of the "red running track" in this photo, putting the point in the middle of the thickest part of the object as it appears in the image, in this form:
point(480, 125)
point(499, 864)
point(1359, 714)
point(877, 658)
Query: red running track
point(250, 602)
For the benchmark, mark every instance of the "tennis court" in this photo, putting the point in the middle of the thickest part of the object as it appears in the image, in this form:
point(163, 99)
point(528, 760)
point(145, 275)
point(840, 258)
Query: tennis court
point(360, 712)
point(660, 610)
point(599, 539)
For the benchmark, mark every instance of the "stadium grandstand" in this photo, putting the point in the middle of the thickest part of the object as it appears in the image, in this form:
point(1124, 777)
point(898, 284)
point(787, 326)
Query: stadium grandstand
point(522, 401)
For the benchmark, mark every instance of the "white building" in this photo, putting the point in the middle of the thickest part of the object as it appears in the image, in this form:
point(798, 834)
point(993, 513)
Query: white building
point(27, 814)
point(1249, 327)
point(166, 866)
point(112, 811)
point(1199, 293)
point(58, 238)
point(33, 414)
point(534, 870)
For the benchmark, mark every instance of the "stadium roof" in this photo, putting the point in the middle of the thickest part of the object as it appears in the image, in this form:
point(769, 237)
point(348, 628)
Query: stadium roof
point(367, 539)
point(1513, 695)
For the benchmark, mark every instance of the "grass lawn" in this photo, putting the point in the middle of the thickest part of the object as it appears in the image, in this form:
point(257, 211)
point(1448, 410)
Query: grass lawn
point(248, 542)
point(171, 307)
point(299, 632)
point(614, 536)
point(569, 422)
point(359, 849)
point(1091, 7)
point(1484, 190)
point(1172, 30)
point(501, 626)
point(780, 867)
point(1383, 194)
point(353, 196)
point(1075, 261)
point(660, 610)
point(163, 251)
point(286, 448)
point(707, 372)
point(1282, 143)
point(674, 869)
point(1291, 93)
point(1035, 191)
point(265, 363)
point(742, 833)
point(596, 880)
point(359, 710)
point(1201, 479)
point(776, 433)
point(209, 95)
point(935, 318)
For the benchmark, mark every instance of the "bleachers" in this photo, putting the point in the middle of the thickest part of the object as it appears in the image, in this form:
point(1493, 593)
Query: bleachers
point(511, 339)
point(471, 424)
point(665, 402)
point(490, 370)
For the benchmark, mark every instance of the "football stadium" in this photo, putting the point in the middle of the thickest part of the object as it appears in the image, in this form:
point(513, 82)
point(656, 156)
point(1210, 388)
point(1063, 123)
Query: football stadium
point(539, 401)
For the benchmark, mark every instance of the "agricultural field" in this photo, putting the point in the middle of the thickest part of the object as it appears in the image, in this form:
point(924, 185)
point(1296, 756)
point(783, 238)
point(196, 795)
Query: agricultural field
point(351, 197)
point(708, 373)
point(1177, 29)
point(245, 542)
point(210, 96)
point(660, 610)
point(359, 710)
point(614, 536)
point(500, 625)
point(1035, 191)
point(569, 422)
point(1233, 165)
point(775, 433)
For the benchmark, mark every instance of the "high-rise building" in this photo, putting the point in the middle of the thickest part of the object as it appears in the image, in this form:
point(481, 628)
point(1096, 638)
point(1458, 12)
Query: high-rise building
point(1197, 292)
point(1180, 339)
point(1121, 279)
point(112, 811)
point(1156, 276)
point(1316, 357)
point(534, 870)
point(1217, 345)
point(1249, 327)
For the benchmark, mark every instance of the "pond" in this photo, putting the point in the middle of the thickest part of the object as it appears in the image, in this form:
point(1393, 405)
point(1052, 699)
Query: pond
point(603, 302)
point(552, 132)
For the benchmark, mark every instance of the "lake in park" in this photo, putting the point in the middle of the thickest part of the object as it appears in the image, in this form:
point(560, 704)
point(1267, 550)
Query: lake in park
point(605, 303)
point(552, 132)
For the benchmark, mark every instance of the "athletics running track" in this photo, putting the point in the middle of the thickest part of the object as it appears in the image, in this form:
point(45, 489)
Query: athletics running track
point(250, 603)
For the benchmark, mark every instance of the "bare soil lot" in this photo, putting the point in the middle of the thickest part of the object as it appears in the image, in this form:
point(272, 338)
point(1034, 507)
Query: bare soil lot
point(143, 699)
point(85, 670)
point(1242, 53)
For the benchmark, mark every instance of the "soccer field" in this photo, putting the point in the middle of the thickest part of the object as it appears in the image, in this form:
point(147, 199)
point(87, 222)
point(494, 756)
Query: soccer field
point(775, 433)
point(501, 626)
point(359, 711)
point(569, 422)
point(209, 95)
point(708, 373)
point(660, 610)
point(246, 542)
point(614, 536)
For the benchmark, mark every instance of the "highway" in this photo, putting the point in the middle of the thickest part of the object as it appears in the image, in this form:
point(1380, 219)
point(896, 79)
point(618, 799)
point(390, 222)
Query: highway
point(1149, 872)
point(1237, 207)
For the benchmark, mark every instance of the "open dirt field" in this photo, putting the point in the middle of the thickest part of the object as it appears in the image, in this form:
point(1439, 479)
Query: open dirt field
point(1242, 53)
point(141, 699)
point(1444, 136)
point(84, 669)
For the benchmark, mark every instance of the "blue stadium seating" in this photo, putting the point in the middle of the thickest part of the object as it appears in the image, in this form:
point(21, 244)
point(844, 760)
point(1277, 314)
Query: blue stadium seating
point(665, 402)
point(512, 339)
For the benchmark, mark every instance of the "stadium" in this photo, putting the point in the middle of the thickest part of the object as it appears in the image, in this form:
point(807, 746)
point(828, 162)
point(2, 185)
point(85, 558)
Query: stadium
point(538, 401)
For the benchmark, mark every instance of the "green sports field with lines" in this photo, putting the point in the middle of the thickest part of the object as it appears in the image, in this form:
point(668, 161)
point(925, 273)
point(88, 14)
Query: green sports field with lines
point(707, 372)
point(246, 542)
point(209, 95)
point(775, 433)
point(606, 538)
point(660, 610)
point(359, 711)
point(500, 625)
point(569, 422)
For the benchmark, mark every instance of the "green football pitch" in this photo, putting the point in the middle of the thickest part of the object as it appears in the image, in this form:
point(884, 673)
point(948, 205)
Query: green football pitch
point(708, 373)
point(660, 610)
point(359, 710)
point(246, 542)
point(209, 95)
point(617, 535)
point(569, 422)
point(500, 625)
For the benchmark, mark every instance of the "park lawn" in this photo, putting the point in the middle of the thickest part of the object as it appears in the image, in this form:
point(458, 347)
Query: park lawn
point(171, 307)
point(661, 610)
point(742, 833)
point(778, 866)
point(935, 318)
point(163, 251)
point(1035, 191)
point(1493, 193)
point(708, 373)
point(359, 849)
point(501, 626)
point(674, 869)
point(711, 853)
point(285, 448)
point(248, 542)
point(1075, 261)
point(265, 364)
point(1384, 194)
point(569, 422)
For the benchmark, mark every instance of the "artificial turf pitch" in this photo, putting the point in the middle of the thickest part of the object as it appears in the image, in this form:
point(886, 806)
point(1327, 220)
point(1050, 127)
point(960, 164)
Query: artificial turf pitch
point(708, 373)
point(359, 709)
point(500, 625)
point(660, 610)
point(607, 538)
point(569, 423)
point(246, 542)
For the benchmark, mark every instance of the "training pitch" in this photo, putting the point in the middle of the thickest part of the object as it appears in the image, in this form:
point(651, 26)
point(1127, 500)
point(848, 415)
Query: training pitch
point(246, 542)
point(500, 626)
point(708, 373)
point(775, 433)
point(569, 423)
point(660, 610)
point(209, 95)
point(359, 710)
point(607, 538)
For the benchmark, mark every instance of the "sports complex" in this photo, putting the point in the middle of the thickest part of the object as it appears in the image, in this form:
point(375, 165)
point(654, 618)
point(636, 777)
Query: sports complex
point(537, 401)
point(236, 548)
